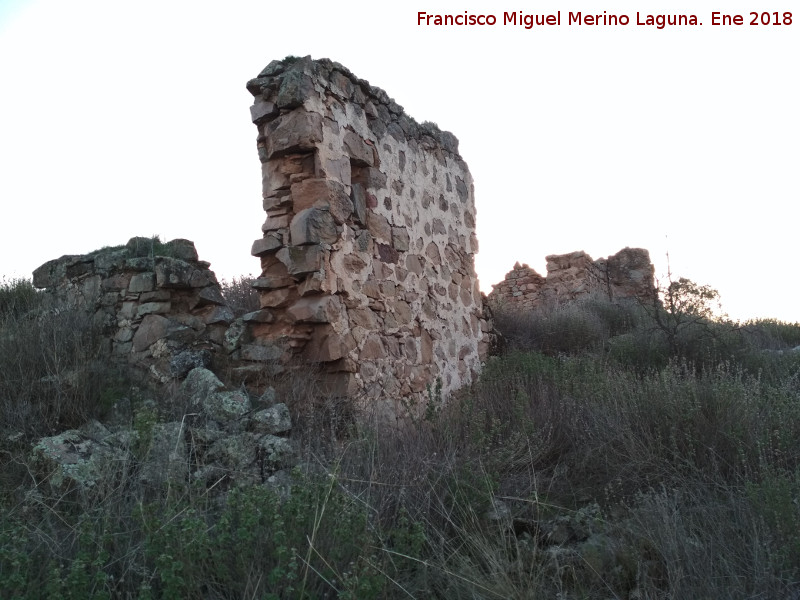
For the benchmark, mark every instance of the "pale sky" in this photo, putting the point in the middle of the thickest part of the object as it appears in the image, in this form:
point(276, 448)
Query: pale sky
point(131, 118)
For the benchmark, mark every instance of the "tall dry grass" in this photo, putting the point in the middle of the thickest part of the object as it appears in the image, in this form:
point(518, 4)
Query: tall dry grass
point(578, 466)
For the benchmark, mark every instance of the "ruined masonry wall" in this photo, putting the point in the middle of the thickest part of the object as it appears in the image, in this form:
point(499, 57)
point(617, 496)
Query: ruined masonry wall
point(156, 305)
point(627, 274)
point(367, 253)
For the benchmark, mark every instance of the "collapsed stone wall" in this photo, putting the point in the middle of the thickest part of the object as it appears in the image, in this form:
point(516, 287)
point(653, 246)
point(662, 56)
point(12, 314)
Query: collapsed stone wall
point(627, 274)
point(367, 252)
point(155, 305)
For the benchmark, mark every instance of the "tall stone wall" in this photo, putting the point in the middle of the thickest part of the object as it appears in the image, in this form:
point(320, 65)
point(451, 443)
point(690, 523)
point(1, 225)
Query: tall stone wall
point(367, 252)
point(627, 274)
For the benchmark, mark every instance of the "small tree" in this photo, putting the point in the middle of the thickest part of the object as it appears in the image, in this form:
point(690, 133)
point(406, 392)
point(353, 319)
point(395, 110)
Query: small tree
point(683, 306)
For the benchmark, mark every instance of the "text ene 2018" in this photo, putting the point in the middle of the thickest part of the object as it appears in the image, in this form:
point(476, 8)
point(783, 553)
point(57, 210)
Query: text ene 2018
point(763, 18)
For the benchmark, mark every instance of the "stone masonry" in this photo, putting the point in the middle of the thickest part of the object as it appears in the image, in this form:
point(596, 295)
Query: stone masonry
point(367, 252)
point(155, 304)
point(627, 274)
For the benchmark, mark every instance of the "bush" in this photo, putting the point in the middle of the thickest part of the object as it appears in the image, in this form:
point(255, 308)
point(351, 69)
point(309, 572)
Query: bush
point(17, 298)
point(53, 375)
point(240, 294)
point(585, 324)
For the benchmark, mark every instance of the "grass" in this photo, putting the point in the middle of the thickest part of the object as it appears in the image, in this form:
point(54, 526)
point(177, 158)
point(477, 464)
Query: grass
point(591, 460)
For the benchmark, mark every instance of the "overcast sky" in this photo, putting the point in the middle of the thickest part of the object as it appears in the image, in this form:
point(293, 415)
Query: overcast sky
point(131, 118)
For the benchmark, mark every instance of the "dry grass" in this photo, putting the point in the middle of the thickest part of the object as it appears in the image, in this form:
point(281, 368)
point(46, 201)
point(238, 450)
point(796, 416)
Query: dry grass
point(568, 471)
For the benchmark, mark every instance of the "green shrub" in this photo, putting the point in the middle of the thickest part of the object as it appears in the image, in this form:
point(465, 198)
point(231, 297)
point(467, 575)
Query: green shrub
point(18, 298)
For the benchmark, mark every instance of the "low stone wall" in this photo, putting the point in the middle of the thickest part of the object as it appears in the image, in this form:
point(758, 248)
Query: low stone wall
point(367, 252)
point(156, 305)
point(627, 274)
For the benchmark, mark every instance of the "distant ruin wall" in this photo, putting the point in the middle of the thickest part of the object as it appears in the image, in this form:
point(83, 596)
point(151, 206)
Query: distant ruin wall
point(367, 253)
point(154, 304)
point(627, 274)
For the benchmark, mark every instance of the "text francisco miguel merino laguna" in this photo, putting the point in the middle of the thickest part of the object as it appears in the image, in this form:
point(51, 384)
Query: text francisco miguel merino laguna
point(528, 21)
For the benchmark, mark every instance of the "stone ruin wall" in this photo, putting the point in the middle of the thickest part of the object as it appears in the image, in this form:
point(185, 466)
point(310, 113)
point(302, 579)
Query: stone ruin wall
point(155, 305)
point(367, 255)
point(627, 274)
point(367, 252)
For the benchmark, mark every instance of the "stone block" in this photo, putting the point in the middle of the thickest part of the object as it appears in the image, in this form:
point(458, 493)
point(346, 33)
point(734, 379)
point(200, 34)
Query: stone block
point(210, 294)
point(297, 131)
point(387, 254)
point(142, 282)
point(49, 274)
point(313, 226)
point(379, 227)
point(183, 362)
point(149, 308)
point(273, 420)
point(400, 239)
point(155, 296)
point(323, 193)
point(363, 317)
point(269, 243)
point(152, 328)
point(275, 298)
point(317, 309)
point(199, 384)
point(173, 273)
point(311, 285)
point(359, 198)
point(300, 260)
point(360, 152)
point(272, 282)
point(218, 314)
point(373, 348)
point(118, 281)
point(262, 111)
point(139, 263)
point(326, 345)
point(295, 88)
point(181, 249)
point(261, 352)
point(225, 406)
point(275, 222)
point(259, 316)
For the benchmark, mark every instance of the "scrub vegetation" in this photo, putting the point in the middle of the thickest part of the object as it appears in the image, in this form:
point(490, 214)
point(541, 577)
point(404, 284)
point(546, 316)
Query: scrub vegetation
point(607, 453)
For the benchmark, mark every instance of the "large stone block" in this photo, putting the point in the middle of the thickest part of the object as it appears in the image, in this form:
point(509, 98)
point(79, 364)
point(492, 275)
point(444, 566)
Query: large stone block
point(295, 88)
point(153, 328)
point(300, 260)
point(323, 193)
point(326, 345)
point(296, 131)
point(142, 282)
point(262, 111)
point(173, 273)
point(361, 154)
point(317, 309)
point(313, 226)
point(269, 243)
point(262, 352)
point(181, 249)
